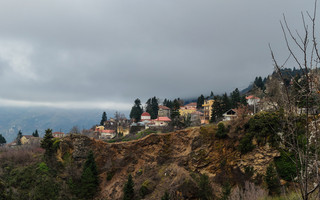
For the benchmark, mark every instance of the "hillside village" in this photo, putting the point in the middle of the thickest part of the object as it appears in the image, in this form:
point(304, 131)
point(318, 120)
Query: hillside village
point(219, 142)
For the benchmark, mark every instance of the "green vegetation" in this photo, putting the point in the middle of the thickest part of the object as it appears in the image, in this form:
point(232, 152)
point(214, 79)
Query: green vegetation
point(128, 191)
point(222, 131)
point(35, 134)
point(19, 136)
point(205, 191)
point(136, 111)
point(103, 118)
point(246, 145)
point(285, 166)
point(272, 180)
point(152, 107)
point(89, 178)
point(47, 143)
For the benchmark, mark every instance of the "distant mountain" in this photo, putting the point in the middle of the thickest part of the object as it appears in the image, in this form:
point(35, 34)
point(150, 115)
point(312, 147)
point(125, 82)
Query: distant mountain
point(29, 119)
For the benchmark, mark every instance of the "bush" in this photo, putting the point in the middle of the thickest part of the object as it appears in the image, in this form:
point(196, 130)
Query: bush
point(246, 145)
point(285, 166)
point(272, 180)
point(221, 132)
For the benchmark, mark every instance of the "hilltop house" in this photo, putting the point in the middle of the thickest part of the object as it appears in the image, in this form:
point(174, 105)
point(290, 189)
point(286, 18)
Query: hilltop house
point(253, 101)
point(163, 111)
point(29, 139)
point(58, 134)
point(188, 109)
point(162, 121)
point(229, 115)
point(107, 134)
point(145, 116)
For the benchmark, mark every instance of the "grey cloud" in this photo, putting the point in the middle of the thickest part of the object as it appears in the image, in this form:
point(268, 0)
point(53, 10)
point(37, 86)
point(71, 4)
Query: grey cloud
point(115, 51)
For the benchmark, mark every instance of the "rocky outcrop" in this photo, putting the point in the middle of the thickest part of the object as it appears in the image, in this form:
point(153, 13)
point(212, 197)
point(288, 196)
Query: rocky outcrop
point(166, 161)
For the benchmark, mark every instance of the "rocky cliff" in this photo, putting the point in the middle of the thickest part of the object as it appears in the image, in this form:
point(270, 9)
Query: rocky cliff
point(165, 162)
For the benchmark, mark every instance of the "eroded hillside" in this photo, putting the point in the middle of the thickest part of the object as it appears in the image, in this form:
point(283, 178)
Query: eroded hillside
point(165, 162)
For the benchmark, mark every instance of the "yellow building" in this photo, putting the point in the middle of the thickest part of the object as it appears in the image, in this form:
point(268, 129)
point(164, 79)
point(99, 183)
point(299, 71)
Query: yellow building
point(207, 110)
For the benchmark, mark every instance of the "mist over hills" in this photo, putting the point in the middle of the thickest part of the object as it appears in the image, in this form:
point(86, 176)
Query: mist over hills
point(13, 119)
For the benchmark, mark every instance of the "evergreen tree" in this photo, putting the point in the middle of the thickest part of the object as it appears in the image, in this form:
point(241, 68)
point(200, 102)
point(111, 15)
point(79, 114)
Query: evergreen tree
point(259, 83)
point(272, 180)
point(2, 140)
point(47, 143)
point(35, 134)
point(200, 101)
point(103, 119)
point(168, 103)
point(152, 107)
point(128, 190)
point(136, 111)
point(235, 98)
point(19, 136)
point(89, 178)
point(217, 109)
point(226, 104)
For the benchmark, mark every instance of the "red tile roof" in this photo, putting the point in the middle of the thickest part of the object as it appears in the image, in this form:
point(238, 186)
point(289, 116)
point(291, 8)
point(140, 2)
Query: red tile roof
point(193, 104)
point(163, 107)
point(108, 131)
point(145, 114)
point(252, 97)
point(165, 119)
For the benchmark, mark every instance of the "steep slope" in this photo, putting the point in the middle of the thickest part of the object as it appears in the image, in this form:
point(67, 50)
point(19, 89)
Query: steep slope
point(165, 162)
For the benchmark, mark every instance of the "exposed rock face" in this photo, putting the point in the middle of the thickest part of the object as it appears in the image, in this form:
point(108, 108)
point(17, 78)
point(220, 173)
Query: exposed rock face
point(165, 160)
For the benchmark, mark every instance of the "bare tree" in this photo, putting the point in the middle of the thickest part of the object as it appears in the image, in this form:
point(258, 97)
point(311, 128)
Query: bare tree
point(300, 98)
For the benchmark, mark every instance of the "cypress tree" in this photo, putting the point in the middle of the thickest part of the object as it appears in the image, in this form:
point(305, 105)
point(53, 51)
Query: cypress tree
point(128, 190)
point(19, 136)
point(103, 119)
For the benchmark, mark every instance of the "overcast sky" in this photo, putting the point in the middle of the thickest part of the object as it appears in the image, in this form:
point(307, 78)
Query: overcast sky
point(104, 54)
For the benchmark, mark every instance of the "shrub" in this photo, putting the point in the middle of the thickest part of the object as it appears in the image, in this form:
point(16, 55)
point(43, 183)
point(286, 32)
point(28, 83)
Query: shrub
point(221, 132)
point(285, 166)
point(272, 180)
point(246, 145)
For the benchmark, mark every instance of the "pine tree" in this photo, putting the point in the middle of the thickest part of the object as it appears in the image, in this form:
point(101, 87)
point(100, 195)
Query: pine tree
point(128, 190)
point(47, 143)
point(103, 119)
point(19, 136)
point(136, 111)
point(35, 134)
point(89, 178)
point(2, 140)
